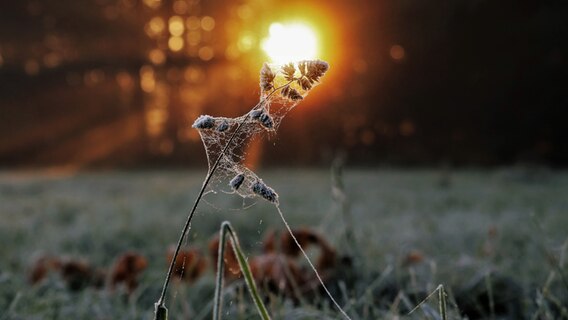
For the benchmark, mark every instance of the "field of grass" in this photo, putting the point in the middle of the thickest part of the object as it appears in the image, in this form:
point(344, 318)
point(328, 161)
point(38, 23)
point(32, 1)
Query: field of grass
point(487, 235)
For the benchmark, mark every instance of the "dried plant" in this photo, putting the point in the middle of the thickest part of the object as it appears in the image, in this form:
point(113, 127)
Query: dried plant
point(78, 274)
point(42, 267)
point(266, 78)
point(306, 237)
point(223, 139)
point(190, 265)
point(125, 271)
point(279, 273)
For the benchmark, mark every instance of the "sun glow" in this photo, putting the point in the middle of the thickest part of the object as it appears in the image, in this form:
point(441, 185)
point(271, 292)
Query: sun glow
point(290, 42)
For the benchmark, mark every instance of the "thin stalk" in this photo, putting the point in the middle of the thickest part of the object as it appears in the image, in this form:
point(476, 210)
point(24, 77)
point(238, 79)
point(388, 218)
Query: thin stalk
point(245, 270)
point(311, 265)
point(160, 309)
point(442, 305)
point(218, 301)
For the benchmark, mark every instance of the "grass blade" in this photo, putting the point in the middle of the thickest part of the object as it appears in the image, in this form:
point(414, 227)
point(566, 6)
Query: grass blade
point(225, 230)
point(442, 303)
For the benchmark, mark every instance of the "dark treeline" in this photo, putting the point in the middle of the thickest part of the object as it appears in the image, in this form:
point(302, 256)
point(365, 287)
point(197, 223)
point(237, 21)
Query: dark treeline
point(417, 83)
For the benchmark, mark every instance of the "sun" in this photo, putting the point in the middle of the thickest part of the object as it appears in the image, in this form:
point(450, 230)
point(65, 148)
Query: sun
point(290, 42)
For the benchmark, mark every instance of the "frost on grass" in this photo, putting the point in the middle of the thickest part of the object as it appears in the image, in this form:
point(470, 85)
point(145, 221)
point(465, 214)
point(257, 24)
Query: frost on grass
point(282, 88)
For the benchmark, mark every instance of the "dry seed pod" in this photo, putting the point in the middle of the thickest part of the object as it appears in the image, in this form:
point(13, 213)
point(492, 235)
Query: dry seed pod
point(266, 78)
point(255, 114)
point(237, 181)
point(265, 191)
point(204, 122)
point(223, 126)
point(266, 120)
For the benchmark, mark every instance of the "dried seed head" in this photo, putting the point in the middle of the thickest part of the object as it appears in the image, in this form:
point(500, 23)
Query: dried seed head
point(291, 93)
point(305, 83)
point(266, 120)
point(289, 71)
point(265, 191)
point(255, 114)
point(237, 181)
point(316, 69)
point(223, 126)
point(266, 78)
point(302, 67)
point(204, 122)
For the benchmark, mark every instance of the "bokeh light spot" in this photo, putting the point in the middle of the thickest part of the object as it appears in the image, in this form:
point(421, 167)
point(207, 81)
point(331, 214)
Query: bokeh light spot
point(175, 43)
point(397, 52)
point(176, 26)
point(155, 27)
point(153, 3)
point(180, 7)
point(244, 11)
point(206, 53)
point(193, 23)
point(246, 41)
point(207, 23)
point(193, 37)
point(157, 56)
point(290, 42)
point(31, 67)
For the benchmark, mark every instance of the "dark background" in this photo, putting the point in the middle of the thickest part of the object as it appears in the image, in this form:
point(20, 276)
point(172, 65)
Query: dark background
point(86, 84)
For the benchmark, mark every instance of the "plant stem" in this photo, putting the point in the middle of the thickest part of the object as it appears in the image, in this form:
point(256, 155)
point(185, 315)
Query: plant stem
point(311, 264)
point(161, 301)
point(245, 269)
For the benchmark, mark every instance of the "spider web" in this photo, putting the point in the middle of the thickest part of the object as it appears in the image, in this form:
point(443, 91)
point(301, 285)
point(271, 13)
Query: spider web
point(216, 132)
